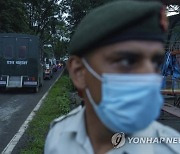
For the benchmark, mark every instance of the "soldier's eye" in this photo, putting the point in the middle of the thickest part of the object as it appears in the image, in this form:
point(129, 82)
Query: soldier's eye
point(128, 62)
point(127, 59)
point(157, 61)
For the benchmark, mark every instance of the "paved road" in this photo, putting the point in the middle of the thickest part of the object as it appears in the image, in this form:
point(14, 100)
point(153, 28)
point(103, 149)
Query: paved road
point(169, 119)
point(15, 106)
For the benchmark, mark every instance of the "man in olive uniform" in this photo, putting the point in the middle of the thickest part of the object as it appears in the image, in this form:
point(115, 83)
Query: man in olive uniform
point(116, 53)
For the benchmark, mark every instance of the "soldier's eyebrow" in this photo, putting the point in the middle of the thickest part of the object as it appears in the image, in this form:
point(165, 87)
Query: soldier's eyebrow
point(131, 53)
point(127, 53)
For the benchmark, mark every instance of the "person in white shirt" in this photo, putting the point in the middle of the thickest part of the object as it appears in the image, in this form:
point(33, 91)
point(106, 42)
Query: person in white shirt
point(116, 53)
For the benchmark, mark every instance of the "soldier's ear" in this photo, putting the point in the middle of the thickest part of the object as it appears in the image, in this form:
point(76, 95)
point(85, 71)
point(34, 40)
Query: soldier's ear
point(76, 71)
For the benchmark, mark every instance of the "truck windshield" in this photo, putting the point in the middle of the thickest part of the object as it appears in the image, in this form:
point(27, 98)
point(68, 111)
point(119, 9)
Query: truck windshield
point(22, 52)
point(8, 51)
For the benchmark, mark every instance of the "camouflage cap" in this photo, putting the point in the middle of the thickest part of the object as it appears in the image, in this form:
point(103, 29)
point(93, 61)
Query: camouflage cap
point(119, 21)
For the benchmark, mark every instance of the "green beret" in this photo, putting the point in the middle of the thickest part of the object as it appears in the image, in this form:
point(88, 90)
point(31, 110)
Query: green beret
point(118, 21)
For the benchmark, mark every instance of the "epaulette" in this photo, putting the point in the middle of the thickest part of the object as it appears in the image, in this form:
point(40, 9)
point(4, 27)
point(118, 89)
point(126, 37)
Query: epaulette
point(61, 118)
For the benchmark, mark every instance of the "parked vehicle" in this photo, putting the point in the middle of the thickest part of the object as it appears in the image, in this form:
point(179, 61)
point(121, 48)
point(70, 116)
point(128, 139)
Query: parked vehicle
point(59, 64)
point(48, 71)
point(54, 68)
point(54, 65)
point(20, 64)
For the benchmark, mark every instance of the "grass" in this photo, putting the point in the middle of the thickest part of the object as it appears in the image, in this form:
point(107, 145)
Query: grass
point(56, 103)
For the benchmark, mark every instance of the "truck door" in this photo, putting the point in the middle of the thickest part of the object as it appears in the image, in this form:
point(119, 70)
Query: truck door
point(22, 47)
point(8, 52)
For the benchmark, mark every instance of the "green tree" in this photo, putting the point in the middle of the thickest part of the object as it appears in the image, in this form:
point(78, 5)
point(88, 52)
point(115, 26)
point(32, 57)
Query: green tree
point(43, 16)
point(12, 16)
point(60, 48)
point(45, 19)
point(77, 9)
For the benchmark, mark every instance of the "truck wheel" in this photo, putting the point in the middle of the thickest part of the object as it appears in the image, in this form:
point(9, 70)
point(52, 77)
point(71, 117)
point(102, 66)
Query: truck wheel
point(2, 89)
point(36, 89)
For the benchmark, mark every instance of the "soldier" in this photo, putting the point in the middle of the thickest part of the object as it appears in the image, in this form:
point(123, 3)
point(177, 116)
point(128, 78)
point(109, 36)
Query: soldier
point(115, 52)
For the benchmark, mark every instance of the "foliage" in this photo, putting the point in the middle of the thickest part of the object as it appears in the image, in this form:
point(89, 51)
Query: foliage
point(54, 21)
point(12, 17)
point(43, 18)
point(78, 9)
point(60, 48)
point(57, 103)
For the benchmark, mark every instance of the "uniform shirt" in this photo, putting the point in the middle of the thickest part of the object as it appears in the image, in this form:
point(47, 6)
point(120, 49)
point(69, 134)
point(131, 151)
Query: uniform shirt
point(68, 136)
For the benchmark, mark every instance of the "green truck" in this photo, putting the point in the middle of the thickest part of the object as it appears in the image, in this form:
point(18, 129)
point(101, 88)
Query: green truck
point(20, 61)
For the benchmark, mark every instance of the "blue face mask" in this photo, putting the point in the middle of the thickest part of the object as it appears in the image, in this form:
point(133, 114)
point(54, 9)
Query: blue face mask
point(129, 103)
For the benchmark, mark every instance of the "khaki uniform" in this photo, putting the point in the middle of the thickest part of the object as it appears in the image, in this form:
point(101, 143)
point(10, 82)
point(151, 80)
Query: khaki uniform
point(68, 136)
